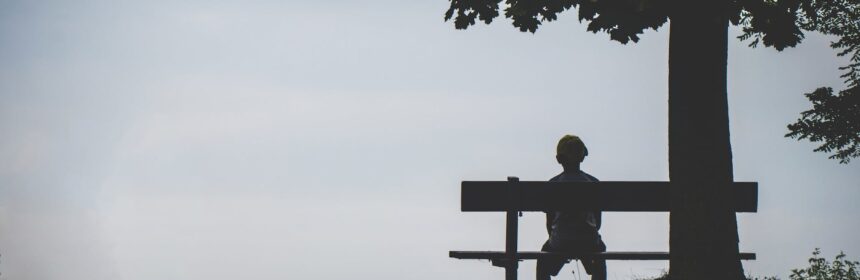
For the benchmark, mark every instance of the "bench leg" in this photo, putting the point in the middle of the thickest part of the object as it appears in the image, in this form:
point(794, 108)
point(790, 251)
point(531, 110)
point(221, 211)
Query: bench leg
point(511, 247)
point(511, 272)
point(511, 227)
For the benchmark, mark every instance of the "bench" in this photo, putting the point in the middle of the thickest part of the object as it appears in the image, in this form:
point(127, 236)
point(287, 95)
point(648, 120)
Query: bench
point(514, 196)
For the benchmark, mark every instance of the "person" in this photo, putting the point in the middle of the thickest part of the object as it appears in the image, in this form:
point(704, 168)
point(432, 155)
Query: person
point(575, 231)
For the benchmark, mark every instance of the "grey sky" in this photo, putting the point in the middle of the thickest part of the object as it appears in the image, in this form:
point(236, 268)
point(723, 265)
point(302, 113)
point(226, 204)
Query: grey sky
point(326, 140)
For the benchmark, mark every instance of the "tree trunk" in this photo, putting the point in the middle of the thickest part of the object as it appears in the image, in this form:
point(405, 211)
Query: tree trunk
point(703, 228)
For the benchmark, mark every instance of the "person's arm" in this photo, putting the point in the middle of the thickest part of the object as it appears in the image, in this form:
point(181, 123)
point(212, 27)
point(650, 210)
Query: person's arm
point(598, 216)
point(550, 217)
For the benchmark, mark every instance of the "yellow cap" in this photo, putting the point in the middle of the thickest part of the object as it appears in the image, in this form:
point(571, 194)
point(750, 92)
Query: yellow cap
point(571, 145)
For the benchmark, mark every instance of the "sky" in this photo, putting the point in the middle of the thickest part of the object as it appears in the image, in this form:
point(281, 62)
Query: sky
point(327, 139)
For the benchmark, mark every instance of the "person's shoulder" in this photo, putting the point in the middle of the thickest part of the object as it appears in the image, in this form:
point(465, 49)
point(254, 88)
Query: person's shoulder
point(574, 177)
point(590, 178)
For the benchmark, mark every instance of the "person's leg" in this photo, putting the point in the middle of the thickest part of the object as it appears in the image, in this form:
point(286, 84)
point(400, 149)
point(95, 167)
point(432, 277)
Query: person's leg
point(542, 273)
point(547, 267)
point(595, 268)
point(599, 266)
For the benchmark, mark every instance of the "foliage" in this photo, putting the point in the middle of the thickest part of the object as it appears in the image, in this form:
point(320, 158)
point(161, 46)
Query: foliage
point(835, 119)
point(763, 278)
point(820, 269)
point(663, 276)
point(840, 18)
point(772, 23)
point(623, 20)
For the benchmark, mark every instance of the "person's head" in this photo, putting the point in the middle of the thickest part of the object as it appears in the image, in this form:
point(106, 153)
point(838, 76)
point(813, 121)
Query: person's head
point(570, 151)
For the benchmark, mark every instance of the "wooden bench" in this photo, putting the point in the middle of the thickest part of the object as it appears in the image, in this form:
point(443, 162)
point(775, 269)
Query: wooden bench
point(514, 196)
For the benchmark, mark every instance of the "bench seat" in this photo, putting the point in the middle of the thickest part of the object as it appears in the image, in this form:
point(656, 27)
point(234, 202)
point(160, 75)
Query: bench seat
point(532, 255)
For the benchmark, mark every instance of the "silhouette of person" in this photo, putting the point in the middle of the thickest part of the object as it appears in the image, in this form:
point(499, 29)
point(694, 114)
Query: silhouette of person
point(572, 230)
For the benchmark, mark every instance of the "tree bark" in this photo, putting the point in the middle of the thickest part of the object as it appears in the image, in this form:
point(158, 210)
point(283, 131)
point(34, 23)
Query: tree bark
point(703, 227)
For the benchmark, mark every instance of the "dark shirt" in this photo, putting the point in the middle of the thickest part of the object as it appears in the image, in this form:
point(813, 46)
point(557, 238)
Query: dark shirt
point(565, 226)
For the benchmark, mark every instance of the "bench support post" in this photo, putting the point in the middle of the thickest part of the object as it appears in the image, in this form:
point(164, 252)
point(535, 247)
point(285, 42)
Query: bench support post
point(511, 227)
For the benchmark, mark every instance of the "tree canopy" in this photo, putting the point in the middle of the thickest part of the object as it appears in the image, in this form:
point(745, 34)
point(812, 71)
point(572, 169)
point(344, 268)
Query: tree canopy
point(772, 23)
point(835, 118)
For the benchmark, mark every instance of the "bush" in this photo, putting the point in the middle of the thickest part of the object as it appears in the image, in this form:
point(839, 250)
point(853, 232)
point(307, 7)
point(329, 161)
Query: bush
point(820, 269)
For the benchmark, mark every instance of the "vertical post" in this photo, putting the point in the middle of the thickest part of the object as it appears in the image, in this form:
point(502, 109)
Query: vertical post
point(511, 226)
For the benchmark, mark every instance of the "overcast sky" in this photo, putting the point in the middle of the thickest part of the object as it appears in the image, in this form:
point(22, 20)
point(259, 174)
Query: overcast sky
point(327, 139)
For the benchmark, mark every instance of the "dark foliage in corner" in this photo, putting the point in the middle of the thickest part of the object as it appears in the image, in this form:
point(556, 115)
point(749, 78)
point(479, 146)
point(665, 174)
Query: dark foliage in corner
point(820, 269)
point(772, 23)
point(833, 119)
point(622, 20)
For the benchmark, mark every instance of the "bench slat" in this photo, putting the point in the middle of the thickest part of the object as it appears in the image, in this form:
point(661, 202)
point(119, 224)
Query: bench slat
point(531, 255)
point(491, 196)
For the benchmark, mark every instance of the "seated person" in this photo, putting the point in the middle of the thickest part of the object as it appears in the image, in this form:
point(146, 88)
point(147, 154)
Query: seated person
point(572, 231)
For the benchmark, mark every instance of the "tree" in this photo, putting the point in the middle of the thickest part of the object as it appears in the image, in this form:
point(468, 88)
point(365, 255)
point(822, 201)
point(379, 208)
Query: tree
point(703, 227)
point(835, 119)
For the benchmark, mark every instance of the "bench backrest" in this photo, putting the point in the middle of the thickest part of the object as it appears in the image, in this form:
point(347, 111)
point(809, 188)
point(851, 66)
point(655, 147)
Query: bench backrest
point(496, 196)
